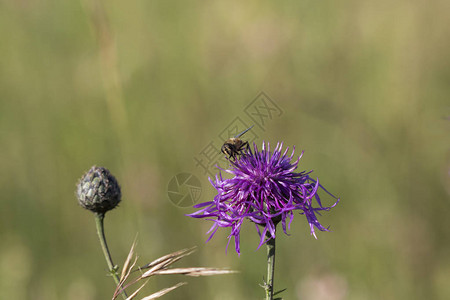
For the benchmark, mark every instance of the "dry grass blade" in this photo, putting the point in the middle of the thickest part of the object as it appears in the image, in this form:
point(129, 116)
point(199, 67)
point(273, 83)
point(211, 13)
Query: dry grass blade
point(195, 271)
point(137, 291)
point(120, 287)
point(170, 257)
point(165, 261)
point(163, 292)
point(126, 265)
point(160, 267)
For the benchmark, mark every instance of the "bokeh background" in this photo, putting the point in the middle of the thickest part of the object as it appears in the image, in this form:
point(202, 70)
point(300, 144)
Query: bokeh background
point(141, 87)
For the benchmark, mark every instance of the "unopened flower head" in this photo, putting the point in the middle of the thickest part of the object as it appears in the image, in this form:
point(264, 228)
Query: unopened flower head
point(266, 190)
point(98, 190)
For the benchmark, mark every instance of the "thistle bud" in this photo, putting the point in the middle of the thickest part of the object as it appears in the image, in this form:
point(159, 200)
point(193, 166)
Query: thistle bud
point(98, 190)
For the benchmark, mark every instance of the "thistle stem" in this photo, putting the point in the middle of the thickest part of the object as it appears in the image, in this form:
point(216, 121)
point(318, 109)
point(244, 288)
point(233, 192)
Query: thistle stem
point(101, 235)
point(270, 266)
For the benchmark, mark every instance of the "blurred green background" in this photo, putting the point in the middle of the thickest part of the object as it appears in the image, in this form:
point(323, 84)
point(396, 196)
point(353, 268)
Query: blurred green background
point(141, 87)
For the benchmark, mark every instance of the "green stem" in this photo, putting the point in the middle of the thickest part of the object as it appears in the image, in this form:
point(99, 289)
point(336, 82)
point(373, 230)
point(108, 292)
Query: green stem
point(270, 266)
point(101, 235)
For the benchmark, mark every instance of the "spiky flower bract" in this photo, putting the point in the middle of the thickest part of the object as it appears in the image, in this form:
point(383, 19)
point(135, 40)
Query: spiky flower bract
point(264, 189)
point(98, 190)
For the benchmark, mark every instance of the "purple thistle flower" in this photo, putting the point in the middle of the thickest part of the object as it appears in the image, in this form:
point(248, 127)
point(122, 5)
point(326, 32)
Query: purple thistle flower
point(264, 189)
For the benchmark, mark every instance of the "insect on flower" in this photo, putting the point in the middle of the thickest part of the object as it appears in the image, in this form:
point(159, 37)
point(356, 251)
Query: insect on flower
point(233, 147)
point(266, 189)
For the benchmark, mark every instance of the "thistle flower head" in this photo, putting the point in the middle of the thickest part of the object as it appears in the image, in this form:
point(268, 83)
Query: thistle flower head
point(98, 190)
point(264, 189)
